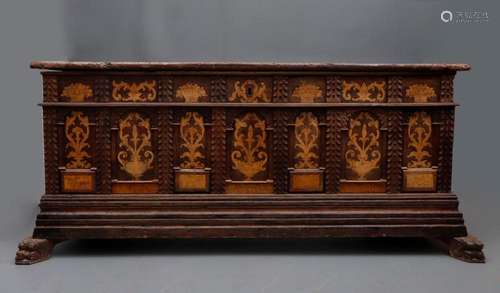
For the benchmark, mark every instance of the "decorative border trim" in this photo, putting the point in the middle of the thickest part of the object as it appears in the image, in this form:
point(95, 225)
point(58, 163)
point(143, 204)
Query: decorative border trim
point(218, 151)
point(395, 140)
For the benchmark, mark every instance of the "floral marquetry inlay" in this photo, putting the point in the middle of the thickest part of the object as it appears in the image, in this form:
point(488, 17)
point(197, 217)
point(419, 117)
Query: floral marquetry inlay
point(134, 92)
point(77, 92)
point(135, 155)
point(77, 131)
point(363, 147)
point(363, 92)
point(306, 141)
point(192, 134)
point(420, 93)
point(307, 92)
point(249, 156)
point(249, 91)
point(419, 140)
point(190, 92)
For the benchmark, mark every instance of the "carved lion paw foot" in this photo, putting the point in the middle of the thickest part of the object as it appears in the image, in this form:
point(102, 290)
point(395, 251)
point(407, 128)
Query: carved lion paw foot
point(33, 250)
point(468, 249)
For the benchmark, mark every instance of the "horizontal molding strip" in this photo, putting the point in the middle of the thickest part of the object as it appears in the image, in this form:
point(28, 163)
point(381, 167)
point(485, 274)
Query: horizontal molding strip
point(250, 105)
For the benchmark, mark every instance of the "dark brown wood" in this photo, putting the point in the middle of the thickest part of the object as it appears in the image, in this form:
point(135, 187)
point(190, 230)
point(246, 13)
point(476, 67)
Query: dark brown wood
point(33, 250)
point(468, 249)
point(248, 150)
point(222, 66)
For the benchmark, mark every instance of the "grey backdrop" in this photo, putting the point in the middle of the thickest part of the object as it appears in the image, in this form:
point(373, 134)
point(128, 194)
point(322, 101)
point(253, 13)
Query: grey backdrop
point(224, 30)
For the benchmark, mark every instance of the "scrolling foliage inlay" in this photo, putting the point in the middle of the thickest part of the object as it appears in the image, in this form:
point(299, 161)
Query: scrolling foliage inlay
point(249, 92)
point(306, 141)
point(135, 156)
point(192, 132)
point(363, 148)
point(77, 133)
point(134, 92)
point(419, 140)
point(249, 156)
point(363, 92)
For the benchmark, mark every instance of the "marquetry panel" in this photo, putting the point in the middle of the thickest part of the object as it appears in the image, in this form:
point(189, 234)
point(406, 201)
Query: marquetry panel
point(306, 141)
point(78, 133)
point(132, 89)
point(420, 89)
point(191, 89)
point(421, 141)
point(306, 158)
point(364, 90)
point(364, 147)
point(307, 90)
point(76, 89)
point(192, 141)
point(134, 152)
point(249, 89)
point(249, 153)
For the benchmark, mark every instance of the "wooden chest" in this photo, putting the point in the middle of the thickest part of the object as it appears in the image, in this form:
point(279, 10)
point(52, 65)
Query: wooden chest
point(247, 150)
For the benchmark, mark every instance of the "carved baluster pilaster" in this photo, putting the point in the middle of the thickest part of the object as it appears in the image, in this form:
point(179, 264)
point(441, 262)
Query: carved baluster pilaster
point(336, 121)
point(395, 89)
point(445, 150)
point(51, 150)
point(280, 151)
point(446, 92)
point(394, 151)
point(165, 150)
point(333, 89)
point(218, 90)
point(280, 89)
point(102, 89)
point(165, 90)
point(50, 88)
point(103, 151)
point(218, 151)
